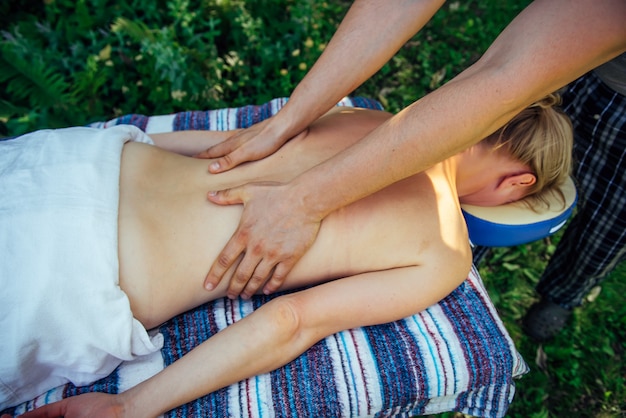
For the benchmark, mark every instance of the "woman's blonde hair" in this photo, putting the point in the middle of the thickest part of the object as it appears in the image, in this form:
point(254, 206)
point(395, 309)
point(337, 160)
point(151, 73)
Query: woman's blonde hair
point(541, 136)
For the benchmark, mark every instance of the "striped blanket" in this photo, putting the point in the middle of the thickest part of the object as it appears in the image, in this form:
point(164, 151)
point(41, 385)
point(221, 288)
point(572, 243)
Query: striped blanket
point(454, 356)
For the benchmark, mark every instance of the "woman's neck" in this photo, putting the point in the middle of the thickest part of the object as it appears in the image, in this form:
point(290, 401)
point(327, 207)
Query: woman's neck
point(477, 169)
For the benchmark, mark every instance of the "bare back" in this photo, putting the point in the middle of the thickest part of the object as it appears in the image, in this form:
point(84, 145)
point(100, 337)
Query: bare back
point(169, 234)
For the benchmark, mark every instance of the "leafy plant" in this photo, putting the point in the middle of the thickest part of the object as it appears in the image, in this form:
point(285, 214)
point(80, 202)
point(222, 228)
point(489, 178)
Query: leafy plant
point(76, 62)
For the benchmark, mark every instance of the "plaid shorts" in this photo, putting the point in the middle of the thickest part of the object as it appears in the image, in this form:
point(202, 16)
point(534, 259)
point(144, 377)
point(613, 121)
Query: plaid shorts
point(595, 240)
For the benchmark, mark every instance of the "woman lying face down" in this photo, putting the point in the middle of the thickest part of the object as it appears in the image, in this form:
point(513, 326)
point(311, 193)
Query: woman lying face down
point(140, 244)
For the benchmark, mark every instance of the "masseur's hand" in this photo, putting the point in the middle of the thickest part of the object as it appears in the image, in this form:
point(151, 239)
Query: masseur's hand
point(87, 405)
point(251, 144)
point(272, 236)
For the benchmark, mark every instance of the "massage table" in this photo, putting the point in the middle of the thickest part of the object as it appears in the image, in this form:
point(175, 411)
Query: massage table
point(454, 356)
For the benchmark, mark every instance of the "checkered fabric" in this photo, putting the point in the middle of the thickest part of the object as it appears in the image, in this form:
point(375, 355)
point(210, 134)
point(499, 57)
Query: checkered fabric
point(595, 241)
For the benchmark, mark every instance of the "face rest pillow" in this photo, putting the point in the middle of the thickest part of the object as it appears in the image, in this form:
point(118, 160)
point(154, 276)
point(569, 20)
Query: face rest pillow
point(516, 223)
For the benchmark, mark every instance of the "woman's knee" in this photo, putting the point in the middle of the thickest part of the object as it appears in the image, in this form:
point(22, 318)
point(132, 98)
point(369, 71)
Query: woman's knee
point(287, 315)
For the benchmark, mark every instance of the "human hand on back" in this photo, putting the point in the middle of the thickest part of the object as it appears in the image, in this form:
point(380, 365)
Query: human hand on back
point(273, 234)
point(250, 144)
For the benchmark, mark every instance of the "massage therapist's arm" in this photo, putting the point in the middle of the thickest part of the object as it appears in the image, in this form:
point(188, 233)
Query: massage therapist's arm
point(531, 58)
point(369, 35)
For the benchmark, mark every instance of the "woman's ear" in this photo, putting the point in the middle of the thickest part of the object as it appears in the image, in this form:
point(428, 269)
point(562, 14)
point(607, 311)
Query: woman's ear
point(519, 180)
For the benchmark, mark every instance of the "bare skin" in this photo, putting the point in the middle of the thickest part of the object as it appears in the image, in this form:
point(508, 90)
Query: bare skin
point(405, 248)
point(164, 220)
point(531, 58)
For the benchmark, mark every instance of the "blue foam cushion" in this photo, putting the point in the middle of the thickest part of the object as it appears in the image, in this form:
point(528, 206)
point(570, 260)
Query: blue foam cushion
point(522, 226)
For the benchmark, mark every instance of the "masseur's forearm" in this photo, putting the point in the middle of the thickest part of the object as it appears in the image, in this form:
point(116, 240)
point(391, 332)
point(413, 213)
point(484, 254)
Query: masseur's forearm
point(369, 35)
point(532, 57)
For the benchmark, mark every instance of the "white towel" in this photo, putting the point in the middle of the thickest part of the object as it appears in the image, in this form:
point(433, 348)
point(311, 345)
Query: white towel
point(66, 317)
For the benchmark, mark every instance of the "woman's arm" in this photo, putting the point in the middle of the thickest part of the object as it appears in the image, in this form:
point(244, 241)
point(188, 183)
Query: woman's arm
point(190, 143)
point(282, 329)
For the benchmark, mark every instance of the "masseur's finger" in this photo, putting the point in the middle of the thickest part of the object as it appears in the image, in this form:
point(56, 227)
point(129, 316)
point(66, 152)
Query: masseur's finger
point(248, 277)
point(276, 254)
point(273, 234)
point(247, 151)
point(251, 144)
point(234, 158)
point(224, 261)
point(262, 273)
point(234, 248)
point(278, 276)
point(221, 149)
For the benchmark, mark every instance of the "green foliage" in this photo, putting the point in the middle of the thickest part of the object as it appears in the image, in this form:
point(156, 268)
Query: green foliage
point(69, 62)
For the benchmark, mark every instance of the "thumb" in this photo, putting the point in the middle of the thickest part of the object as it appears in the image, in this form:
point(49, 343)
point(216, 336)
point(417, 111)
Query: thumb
point(218, 150)
point(232, 196)
point(222, 164)
point(234, 157)
point(206, 154)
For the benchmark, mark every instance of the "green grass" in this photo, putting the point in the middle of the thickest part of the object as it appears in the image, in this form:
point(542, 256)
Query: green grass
point(582, 372)
point(69, 62)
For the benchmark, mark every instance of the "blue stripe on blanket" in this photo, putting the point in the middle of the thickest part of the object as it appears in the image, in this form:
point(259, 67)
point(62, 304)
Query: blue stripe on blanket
point(400, 369)
point(479, 340)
